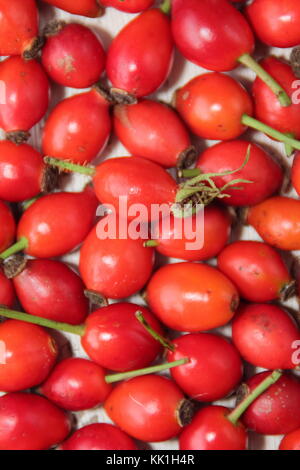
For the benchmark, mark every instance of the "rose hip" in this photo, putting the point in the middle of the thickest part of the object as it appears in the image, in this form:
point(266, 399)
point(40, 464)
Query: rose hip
point(291, 441)
point(90, 8)
point(7, 293)
point(8, 226)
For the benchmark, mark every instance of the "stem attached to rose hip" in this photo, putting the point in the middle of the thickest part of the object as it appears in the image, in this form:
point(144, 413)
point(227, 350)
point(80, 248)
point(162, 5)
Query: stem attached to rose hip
point(281, 94)
point(165, 6)
point(163, 341)
point(256, 392)
point(20, 245)
point(65, 165)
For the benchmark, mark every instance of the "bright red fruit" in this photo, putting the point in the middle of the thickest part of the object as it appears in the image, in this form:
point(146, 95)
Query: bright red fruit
point(140, 67)
point(116, 340)
point(76, 384)
point(192, 297)
point(276, 22)
point(277, 410)
point(18, 26)
point(30, 422)
point(148, 408)
point(129, 6)
point(257, 270)
point(277, 221)
point(211, 430)
point(295, 173)
point(50, 289)
point(214, 370)
point(26, 94)
point(7, 294)
point(179, 239)
point(100, 436)
point(153, 130)
point(78, 128)
point(90, 8)
point(73, 56)
point(291, 441)
point(23, 173)
point(7, 226)
point(266, 336)
point(265, 174)
point(29, 355)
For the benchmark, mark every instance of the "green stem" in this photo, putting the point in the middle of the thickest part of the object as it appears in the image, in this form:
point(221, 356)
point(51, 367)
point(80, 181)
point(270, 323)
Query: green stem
point(148, 370)
point(261, 388)
point(260, 126)
point(281, 94)
point(18, 246)
point(165, 343)
point(69, 166)
point(151, 244)
point(189, 173)
point(288, 148)
point(45, 322)
point(165, 7)
point(26, 204)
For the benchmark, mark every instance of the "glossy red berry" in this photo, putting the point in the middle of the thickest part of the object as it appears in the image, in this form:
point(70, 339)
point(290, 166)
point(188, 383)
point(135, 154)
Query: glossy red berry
point(265, 174)
point(100, 436)
point(276, 411)
point(23, 173)
point(192, 297)
point(295, 173)
point(266, 336)
point(29, 355)
point(153, 130)
point(78, 128)
point(257, 270)
point(214, 370)
point(90, 8)
point(7, 293)
point(277, 221)
point(141, 67)
point(115, 267)
point(30, 422)
point(18, 26)
point(7, 226)
point(147, 408)
point(73, 56)
point(275, 22)
point(211, 430)
point(26, 95)
point(50, 289)
point(291, 441)
point(76, 384)
point(115, 339)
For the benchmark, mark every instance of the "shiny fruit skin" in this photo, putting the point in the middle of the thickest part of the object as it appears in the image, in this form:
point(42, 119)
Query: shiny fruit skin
point(88, 8)
point(78, 128)
point(256, 269)
point(30, 354)
point(26, 94)
point(291, 441)
point(50, 289)
point(116, 340)
point(151, 130)
point(264, 334)
point(277, 410)
point(265, 174)
point(98, 436)
point(215, 368)
point(211, 430)
point(191, 297)
point(76, 384)
point(275, 22)
point(129, 6)
point(7, 293)
point(216, 231)
point(212, 105)
point(21, 171)
point(74, 56)
point(277, 221)
point(141, 67)
point(140, 180)
point(295, 173)
point(146, 408)
point(57, 223)
point(267, 107)
point(211, 33)
point(18, 26)
point(31, 422)
point(8, 226)
point(116, 268)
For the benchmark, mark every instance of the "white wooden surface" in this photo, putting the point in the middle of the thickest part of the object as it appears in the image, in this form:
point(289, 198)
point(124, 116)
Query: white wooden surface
point(106, 28)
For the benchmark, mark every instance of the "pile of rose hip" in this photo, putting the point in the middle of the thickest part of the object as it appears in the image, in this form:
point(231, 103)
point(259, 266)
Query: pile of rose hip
point(121, 339)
